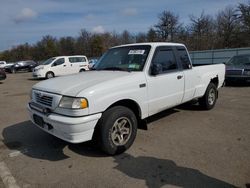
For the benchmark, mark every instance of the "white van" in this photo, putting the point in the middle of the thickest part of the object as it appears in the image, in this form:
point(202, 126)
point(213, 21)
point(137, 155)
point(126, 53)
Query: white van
point(61, 65)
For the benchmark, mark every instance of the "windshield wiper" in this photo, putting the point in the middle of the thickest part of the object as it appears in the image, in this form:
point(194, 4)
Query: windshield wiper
point(116, 68)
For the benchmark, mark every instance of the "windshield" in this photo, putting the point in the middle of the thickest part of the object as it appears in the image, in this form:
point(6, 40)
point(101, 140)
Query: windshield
point(128, 58)
point(48, 61)
point(239, 60)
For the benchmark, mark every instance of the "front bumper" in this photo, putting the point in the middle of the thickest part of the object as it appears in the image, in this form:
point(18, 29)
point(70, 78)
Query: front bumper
point(70, 129)
point(37, 75)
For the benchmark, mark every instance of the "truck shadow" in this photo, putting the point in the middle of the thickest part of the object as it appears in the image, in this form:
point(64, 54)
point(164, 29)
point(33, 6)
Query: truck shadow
point(160, 115)
point(190, 106)
point(35, 143)
point(159, 172)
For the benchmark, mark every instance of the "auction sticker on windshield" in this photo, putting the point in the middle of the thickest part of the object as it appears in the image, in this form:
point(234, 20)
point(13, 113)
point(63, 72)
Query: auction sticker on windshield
point(136, 52)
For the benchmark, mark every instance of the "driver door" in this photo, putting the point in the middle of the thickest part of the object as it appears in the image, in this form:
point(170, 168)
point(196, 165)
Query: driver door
point(166, 89)
point(59, 67)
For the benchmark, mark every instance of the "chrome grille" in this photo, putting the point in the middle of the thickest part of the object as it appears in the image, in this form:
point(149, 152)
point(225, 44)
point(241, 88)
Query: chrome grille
point(234, 72)
point(43, 99)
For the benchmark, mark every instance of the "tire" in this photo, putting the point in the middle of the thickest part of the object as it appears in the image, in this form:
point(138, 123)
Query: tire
point(209, 99)
point(82, 70)
point(118, 128)
point(49, 75)
point(13, 70)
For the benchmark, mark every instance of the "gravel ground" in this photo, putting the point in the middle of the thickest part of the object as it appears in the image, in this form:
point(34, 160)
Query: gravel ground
point(183, 147)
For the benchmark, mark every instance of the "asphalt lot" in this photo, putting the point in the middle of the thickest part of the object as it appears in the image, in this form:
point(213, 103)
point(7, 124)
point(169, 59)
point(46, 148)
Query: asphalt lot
point(183, 147)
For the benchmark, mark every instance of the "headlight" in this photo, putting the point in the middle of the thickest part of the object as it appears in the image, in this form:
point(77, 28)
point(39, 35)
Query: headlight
point(73, 103)
point(40, 68)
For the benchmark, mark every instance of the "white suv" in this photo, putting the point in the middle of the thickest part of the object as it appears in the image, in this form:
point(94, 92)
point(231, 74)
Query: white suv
point(61, 65)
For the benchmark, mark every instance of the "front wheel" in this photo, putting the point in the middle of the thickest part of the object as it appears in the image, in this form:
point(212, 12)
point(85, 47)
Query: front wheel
point(208, 101)
point(49, 75)
point(13, 70)
point(118, 128)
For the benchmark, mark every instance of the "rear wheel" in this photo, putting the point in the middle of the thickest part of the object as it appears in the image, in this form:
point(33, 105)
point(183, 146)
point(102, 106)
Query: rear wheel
point(50, 75)
point(118, 128)
point(82, 70)
point(208, 101)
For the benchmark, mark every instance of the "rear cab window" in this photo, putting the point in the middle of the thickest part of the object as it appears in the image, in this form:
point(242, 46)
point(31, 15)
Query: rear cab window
point(183, 57)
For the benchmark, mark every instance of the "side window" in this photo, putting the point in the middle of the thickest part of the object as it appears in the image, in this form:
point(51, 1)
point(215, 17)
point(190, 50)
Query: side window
point(58, 62)
point(165, 59)
point(72, 59)
point(185, 62)
point(82, 59)
point(77, 59)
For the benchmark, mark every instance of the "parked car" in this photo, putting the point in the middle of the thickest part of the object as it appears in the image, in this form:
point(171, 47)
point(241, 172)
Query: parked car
point(3, 64)
point(61, 65)
point(238, 68)
point(131, 83)
point(92, 63)
point(28, 65)
point(2, 74)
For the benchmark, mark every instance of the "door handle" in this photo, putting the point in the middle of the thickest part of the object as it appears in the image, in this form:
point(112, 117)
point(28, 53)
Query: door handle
point(64, 65)
point(179, 77)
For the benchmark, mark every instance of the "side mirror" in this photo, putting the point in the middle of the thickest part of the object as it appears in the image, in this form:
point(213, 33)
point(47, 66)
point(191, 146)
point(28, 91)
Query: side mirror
point(156, 69)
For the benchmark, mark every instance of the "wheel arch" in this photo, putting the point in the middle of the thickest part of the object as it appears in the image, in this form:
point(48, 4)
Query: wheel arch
point(49, 72)
point(82, 70)
point(129, 103)
point(215, 81)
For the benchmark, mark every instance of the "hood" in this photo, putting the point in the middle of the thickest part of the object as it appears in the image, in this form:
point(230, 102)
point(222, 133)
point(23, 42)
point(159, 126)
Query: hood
point(73, 84)
point(39, 66)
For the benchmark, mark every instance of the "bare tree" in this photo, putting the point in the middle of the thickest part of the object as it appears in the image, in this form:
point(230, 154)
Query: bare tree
point(125, 37)
point(244, 16)
point(228, 27)
point(83, 42)
point(66, 46)
point(152, 35)
point(202, 31)
point(168, 25)
point(141, 37)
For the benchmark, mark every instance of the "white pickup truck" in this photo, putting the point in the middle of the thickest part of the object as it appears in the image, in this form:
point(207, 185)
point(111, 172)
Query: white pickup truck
point(129, 83)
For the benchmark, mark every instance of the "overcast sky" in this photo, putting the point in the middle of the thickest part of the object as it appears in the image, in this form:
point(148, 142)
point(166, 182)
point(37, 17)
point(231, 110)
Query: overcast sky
point(28, 20)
